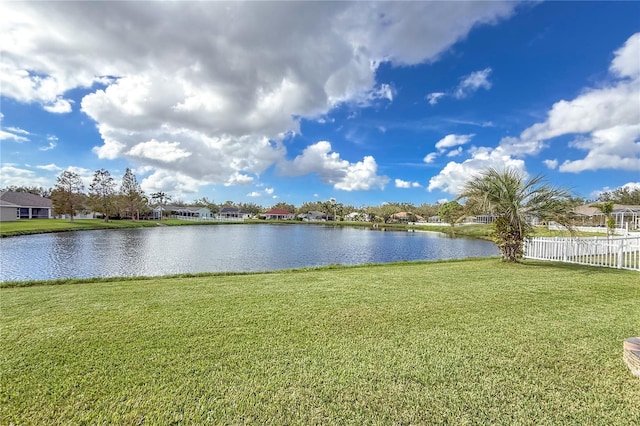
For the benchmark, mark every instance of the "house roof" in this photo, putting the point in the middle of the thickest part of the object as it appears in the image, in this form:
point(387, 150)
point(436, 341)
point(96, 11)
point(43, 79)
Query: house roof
point(25, 199)
point(590, 210)
point(405, 215)
point(7, 204)
point(232, 210)
point(278, 212)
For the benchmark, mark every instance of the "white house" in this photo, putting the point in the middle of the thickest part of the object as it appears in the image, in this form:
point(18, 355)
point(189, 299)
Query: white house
point(187, 213)
point(313, 216)
point(358, 217)
point(279, 214)
point(233, 213)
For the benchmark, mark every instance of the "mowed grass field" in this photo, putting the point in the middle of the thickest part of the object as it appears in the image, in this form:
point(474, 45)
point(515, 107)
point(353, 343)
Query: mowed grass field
point(459, 342)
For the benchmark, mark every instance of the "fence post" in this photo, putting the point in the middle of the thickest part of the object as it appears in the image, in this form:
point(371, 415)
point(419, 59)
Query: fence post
point(621, 253)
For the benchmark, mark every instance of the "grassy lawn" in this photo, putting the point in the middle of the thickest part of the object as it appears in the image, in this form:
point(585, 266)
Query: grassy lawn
point(458, 342)
point(39, 226)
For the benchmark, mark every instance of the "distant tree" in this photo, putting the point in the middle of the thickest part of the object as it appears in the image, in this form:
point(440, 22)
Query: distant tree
point(346, 209)
point(67, 195)
point(507, 195)
point(307, 207)
point(284, 206)
point(251, 208)
point(132, 198)
point(387, 210)
point(205, 202)
point(607, 209)
point(36, 190)
point(332, 208)
point(427, 210)
point(407, 207)
point(622, 195)
point(160, 199)
point(451, 212)
point(102, 194)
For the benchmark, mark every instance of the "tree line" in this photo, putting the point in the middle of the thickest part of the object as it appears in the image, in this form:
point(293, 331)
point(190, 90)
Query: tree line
point(104, 197)
point(128, 201)
point(506, 195)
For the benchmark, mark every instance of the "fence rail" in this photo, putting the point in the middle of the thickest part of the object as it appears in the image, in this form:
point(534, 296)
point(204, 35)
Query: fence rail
point(612, 252)
point(207, 219)
point(595, 229)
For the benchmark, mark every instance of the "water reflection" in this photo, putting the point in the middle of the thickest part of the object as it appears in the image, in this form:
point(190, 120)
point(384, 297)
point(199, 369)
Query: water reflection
point(218, 248)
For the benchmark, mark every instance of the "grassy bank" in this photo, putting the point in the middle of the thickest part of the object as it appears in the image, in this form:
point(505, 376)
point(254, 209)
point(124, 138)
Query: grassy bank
point(459, 342)
point(39, 226)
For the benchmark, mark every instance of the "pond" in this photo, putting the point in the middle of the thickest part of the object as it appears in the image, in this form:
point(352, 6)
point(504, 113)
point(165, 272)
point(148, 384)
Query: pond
point(218, 248)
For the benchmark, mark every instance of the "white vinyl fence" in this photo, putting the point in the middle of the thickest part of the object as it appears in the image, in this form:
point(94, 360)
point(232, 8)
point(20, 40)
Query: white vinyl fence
point(595, 229)
point(612, 252)
point(207, 219)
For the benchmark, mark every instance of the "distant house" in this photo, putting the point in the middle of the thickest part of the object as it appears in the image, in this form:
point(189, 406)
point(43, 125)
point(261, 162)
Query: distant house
point(406, 217)
point(313, 216)
point(23, 205)
point(358, 217)
point(278, 214)
point(8, 211)
point(485, 218)
point(233, 213)
point(180, 212)
point(623, 214)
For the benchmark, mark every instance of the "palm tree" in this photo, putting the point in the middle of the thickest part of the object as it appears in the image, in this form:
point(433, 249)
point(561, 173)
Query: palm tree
point(512, 199)
point(607, 209)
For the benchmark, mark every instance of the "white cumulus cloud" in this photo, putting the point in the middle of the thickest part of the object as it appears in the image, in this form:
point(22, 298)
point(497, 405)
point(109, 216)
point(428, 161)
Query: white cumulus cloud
point(50, 167)
point(430, 157)
point(12, 175)
point(452, 140)
point(604, 122)
point(225, 80)
point(434, 97)
point(473, 82)
point(452, 178)
point(159, 151)
point(332, 169)
point(406, 184)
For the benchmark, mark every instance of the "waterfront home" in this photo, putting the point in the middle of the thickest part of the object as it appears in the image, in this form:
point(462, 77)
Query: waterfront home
point(180, 212)
point(278, 214)
point(24, 205)
point(624, 215)
point(313, 216)
point(233, 213)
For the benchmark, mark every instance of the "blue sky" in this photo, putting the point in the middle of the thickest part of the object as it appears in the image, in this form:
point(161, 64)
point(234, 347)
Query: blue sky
point(363, 102)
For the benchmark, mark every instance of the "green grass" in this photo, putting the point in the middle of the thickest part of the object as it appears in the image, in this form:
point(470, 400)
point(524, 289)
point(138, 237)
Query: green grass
point(458, 342)
point(40, 226)
point(37, 226)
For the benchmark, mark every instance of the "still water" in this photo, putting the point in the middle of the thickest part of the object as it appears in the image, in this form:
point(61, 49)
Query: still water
point(218, 248)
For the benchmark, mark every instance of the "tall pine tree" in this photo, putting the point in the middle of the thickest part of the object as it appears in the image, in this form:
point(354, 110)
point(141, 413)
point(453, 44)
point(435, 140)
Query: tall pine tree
point(132, 199)
point(102, 193)
point(68, 196)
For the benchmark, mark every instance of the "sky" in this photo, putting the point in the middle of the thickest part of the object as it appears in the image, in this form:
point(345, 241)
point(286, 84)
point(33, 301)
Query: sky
point(364, 102)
